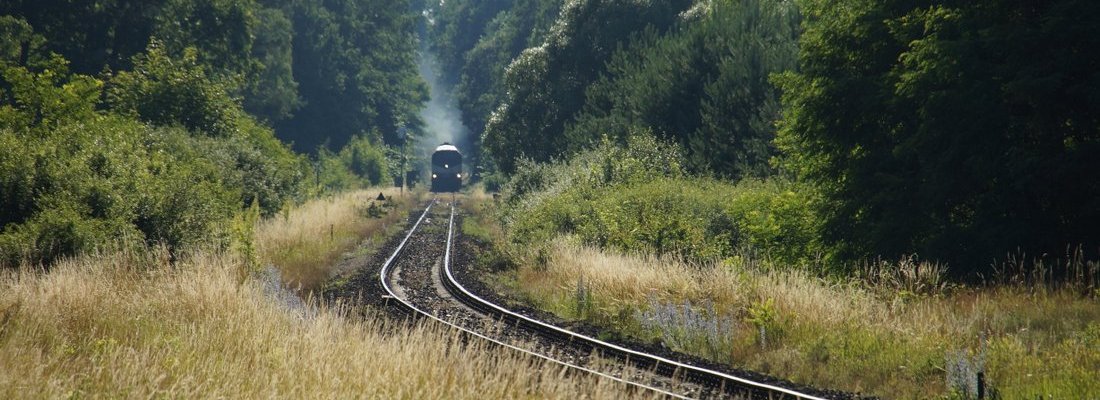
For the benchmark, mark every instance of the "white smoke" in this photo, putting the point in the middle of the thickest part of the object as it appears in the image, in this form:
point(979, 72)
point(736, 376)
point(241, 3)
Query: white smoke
point(443, 122)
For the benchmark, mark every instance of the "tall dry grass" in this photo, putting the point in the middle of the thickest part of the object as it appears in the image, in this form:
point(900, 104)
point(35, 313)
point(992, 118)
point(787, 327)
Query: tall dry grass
point(305, 244)
point(908, 335)
point(135, 325)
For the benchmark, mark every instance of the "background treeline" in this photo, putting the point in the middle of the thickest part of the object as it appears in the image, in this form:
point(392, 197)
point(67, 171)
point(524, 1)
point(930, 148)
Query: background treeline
point(320, 72)
point(962, 132)
point(160, 121)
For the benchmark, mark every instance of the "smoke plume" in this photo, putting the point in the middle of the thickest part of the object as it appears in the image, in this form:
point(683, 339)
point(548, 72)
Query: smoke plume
point(442, 119)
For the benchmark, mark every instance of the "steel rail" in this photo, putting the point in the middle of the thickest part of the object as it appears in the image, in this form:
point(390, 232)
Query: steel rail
point(409, 306)
point(671, 367)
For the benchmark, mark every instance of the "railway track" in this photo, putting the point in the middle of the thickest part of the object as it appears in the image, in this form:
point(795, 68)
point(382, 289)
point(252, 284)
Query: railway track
point(418, 278)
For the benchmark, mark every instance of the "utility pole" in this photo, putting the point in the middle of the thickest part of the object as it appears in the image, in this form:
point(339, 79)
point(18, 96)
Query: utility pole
point(404, 155)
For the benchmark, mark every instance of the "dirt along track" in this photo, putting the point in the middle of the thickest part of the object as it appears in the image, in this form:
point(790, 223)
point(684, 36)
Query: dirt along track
point(415, 279)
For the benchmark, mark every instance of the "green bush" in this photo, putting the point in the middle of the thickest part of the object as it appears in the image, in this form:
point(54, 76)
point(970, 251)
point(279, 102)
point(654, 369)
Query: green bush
point(167, 91)
point(74, 178)
point(332, 174)
point(265, 169)
point(778, 218)
point(87, 184)
point(187, 198)
point(640, 159)
point(362, 162)
point(61, 231)
point(163, 90)
point(696, 218)
point(366, 158)
point(69, 174)
point(635, 198)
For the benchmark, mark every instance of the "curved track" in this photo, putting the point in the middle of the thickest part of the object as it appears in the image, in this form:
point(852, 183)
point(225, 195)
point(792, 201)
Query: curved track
point(424, 285)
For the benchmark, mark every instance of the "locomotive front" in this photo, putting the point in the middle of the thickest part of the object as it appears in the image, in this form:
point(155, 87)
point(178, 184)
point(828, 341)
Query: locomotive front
point(446, 169)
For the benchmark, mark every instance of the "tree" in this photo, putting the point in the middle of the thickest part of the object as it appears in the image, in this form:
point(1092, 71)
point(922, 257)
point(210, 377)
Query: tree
point(74, 178)
point(237, 40)
point(167, 91)
point(458, 27)
point(704, 85)
point(94, 35)
point(546, 84)
point(273, 96)
point(163, 90)
point(356, 70)
point(956, 130)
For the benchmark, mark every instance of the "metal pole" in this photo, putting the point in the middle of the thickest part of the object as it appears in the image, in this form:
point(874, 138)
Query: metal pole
point(404, 157)
point(981, 385)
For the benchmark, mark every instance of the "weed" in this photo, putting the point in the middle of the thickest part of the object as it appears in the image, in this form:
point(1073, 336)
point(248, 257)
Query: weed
point(582, 300)
point(686, 327)
point(763, 315)
point(244, 227)
point(1070, 272)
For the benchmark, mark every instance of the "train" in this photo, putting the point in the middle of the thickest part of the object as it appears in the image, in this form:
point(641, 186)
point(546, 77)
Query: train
point(446, 169)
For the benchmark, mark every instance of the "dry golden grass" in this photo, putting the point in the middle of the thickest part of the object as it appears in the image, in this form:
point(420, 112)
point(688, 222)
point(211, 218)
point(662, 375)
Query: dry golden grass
point(134, 325)
point(305, 244)
point(845, 335)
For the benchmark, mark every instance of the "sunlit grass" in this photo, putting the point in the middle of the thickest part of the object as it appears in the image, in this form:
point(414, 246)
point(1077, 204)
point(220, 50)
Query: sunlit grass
point(130, 325)
point(847, 335)
point(133, 324)
point(305, 244)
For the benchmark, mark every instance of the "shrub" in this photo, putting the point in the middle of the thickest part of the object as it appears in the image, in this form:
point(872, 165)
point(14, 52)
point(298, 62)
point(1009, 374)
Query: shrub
point(168, 91)
point(362, 162)
point(163, 90)
point(332, 174)
point(73, 178)
point(366, 159)
point(635, 198)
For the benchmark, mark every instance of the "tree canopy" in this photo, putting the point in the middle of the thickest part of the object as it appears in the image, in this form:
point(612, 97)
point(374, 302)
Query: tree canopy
point(545, 85)
point(960, 131)
point(127, 122)
point(355, 64)
point(705, 85)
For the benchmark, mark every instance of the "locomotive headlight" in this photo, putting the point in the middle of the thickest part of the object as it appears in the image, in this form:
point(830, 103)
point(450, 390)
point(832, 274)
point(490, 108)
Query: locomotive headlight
point(433, 176)
point(446, 166)
point(458, 175)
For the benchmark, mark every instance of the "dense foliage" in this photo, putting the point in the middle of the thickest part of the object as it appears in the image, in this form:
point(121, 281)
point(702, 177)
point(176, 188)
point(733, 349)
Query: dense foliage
point(545, 85)
point(148, 122)
point(237, 40)
point(362, 162)
point(704, 86)
point(321, 72)
point(355, 65)
point(613, 196)
point(957, 130)
point(696, 74)
point(74, 178)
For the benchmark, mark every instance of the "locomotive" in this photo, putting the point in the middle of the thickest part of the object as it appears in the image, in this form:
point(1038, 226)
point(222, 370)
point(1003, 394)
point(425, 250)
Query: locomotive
point(446, 169)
